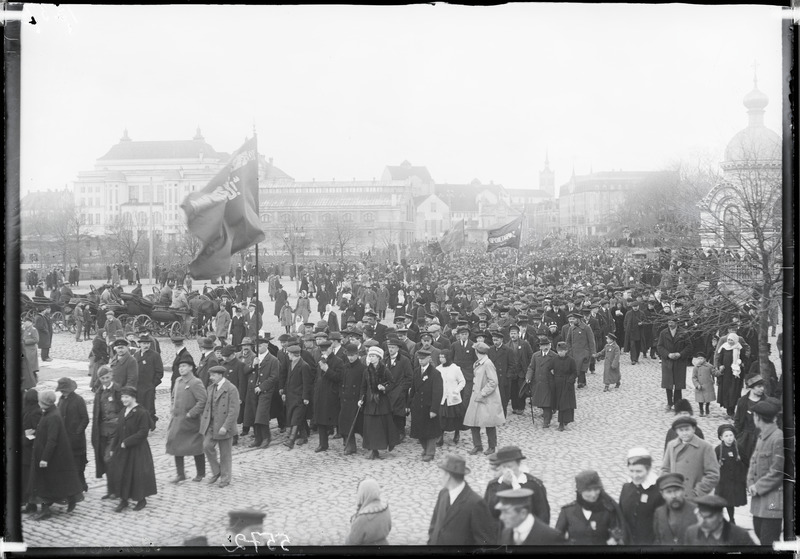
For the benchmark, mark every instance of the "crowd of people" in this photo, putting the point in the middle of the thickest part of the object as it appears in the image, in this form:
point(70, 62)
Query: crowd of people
point(470, 334)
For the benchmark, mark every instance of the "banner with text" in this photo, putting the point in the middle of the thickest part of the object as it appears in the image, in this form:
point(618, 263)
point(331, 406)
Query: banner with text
point(506, 236)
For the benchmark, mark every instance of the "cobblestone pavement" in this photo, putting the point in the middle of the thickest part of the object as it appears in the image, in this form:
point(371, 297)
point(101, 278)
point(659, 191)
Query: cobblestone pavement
point(310, 496)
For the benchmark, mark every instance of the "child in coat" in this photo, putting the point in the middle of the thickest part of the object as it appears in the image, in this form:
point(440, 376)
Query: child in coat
point(732, 484)
point(610, 353)
point(703, 379)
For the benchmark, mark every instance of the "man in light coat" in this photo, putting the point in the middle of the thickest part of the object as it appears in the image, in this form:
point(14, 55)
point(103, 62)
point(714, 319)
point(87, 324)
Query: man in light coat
point(692, 457)
point(218, 425)
point(765, 475)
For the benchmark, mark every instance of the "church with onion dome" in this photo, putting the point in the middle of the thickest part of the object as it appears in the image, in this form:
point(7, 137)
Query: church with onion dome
point(750, 192)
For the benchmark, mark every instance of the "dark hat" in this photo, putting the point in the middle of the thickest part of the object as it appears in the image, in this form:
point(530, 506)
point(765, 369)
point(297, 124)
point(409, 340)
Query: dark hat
point(588, 479)
point(186, 358)
point(246, 341)
point(684, 405)
point(481, 347)
point(371, 313)
point(506, 454)
point(513, 327)
point(264, 337)
point(119, 342)
point(205, 343)
point(295, 349)
point(670, 480)
point(228, 350)
point(177, 339)
point(561, 345)
point(498, 334)
point(423, 353)
point(218, 369)
point(64, 383)
point(243, 518)
point(281, 338)
point(351, 349)
point(145, 339)
point(463, 328)
point(710, 503)
point(682, 420)
point(455, 464)
point(514, 497)
point(754, 380)
point(612, 336)
point(325, 344)
point(700, 354)
point(309, 324)
point(424, 333)
point(335, 336)
point(392, 340)
point(726, 427)
point(767, 408)
point(128, 391)
point(575, 315)
point(544, 340)
point(399, 317)
point(320, 335)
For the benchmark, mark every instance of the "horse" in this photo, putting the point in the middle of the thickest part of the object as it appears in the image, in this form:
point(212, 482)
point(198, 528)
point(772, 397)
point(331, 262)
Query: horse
point(203, 309)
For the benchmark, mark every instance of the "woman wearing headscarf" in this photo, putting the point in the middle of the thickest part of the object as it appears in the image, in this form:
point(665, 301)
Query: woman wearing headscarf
point(31, 414)
point(76, 419)
point(594, 518)
point(732, 484)
point(372, 522)
point(379, 431)
point(728, 360)
point(54, 476)
point(640, 497)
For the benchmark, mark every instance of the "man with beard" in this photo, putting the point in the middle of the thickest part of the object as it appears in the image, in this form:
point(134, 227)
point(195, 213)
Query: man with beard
point(151, 371)
point(671, 519)
point(400, 372)
point(326, 393)
point(349, 393)
point(295, 391)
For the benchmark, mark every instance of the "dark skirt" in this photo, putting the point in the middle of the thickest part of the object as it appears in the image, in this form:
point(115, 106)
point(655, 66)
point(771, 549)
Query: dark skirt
point(566, 416)
point(451, 417)
point(379, 432)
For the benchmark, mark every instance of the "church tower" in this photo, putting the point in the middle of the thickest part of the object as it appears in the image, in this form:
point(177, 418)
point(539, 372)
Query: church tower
point(547, 178)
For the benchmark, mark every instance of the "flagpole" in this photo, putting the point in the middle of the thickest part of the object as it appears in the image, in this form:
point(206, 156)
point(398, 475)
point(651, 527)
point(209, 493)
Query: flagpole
point(258, 210)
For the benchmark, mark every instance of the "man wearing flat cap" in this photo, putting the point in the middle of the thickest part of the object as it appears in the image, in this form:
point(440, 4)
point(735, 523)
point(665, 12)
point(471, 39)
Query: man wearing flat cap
point(123, 365)
point(151, 371)
point(712, 528)
point(580, 345)
point(460, 516)
point(512, 475)
point(519, 525)
point(766, 473)
point(743, 419)
point(692, 457)
point(218, 424)
point(671, 519)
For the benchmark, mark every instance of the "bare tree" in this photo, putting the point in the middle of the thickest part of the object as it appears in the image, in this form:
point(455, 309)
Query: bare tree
point(127, 237)
point(187, 247)
point(342, 234)
point(68, 229)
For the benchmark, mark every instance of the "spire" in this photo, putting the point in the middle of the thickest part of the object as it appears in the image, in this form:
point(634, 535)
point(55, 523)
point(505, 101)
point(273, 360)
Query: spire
point(546, 158)
point(198, 135)
point(756, 101)
point(125, 137)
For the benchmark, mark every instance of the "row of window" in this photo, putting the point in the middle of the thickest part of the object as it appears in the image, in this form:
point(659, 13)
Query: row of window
point(324, 218)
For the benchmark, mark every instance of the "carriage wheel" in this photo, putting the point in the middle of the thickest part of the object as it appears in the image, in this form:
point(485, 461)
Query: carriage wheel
point(57, 319)
point(176, 329)
point(144, 321)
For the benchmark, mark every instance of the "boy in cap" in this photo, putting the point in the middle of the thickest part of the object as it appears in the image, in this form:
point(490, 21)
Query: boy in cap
point(460, 516)
point(712, 528)
point(692, 457)
point(520, 525)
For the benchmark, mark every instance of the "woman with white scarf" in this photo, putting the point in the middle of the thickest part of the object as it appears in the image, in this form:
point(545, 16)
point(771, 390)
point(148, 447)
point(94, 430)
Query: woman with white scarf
point(728, 361)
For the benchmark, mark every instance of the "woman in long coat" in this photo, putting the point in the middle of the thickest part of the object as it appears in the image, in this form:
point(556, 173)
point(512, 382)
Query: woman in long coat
point(76, 419)
point(31, 414)
point(30, 355)
point(485, 408)
point(183, 434)
point(565, 373)
point(728, 359)
point(745, 427)
point(280, 299)
point(610, 355)
point(350, 415)
point(136, 473)
point(303, 307)
point(379, 430)
point(425, 396)
point(53, 476)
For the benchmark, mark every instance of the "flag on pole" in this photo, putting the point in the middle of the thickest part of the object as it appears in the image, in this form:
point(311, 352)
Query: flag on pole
point(224, 214)
point(454, 238)
point(506, 236)
point(434, 248)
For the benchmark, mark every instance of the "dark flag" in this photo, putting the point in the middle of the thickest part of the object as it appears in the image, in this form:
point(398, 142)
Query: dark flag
point(434, 248)
point(224, 215)
point(453, 239)
point(506, 236)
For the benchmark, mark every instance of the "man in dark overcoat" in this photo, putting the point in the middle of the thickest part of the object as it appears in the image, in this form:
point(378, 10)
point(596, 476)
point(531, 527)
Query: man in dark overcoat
point(207, 360)
point(425, 397)
point(634, 326)
point(462, 353)
point(522, 352)
point(296, 393)
point(580, 345)
point(460, 516)
point(123, 364)
point(520, 526)
point(674, 349)
point(181, 353)
point(72, 408)
point(261, 385)
point(326, 393)
point(45, 327)
point(350, 415)
point(105, 422)
point(506, 366)
point(151, 371)
point(540, 375)
point(399, 367)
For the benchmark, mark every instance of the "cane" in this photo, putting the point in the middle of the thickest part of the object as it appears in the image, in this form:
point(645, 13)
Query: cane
point(353, 426)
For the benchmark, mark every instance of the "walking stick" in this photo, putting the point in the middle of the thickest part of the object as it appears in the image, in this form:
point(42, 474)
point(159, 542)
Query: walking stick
point(353, 426)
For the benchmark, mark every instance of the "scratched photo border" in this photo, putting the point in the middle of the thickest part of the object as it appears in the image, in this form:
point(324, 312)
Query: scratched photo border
point(13, 51)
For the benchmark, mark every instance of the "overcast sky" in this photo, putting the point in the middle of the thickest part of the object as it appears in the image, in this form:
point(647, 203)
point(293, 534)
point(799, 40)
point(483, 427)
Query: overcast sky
point(340, 92)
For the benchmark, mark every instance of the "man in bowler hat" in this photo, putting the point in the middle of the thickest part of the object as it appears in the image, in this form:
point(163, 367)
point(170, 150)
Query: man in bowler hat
point(460, 517)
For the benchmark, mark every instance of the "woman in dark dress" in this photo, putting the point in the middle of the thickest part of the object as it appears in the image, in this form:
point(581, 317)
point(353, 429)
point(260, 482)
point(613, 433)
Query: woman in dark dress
point(565, 373)
point(732, 484)
point(728, 359)
point(137, 477)
point(53, 476)
point(379, 431)
point(640, 497)
point(31, 414)
point(618, 313)
point(605, 524)
point(744, 426)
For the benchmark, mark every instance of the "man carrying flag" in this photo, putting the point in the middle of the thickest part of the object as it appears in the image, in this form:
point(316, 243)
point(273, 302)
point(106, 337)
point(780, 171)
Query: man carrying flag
point(224, 214)
point(508, 235)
